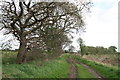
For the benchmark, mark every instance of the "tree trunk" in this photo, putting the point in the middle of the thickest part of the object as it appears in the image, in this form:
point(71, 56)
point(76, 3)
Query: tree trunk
point(21, 57)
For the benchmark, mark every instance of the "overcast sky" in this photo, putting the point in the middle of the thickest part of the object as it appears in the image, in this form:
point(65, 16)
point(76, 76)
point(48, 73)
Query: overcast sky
point(101, 24)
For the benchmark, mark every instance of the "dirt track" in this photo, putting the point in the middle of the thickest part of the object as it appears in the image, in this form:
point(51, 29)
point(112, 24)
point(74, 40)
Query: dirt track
point(74, 70)
point(95, 73)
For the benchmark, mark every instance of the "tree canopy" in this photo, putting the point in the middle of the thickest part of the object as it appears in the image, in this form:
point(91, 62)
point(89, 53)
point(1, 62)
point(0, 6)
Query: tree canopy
point(43, 21)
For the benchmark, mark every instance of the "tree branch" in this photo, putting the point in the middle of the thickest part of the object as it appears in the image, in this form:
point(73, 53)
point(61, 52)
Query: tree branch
point(34, 29)
point(21, 9)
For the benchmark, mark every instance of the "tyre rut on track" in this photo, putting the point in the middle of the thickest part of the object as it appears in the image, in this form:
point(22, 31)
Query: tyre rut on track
point(74, 72)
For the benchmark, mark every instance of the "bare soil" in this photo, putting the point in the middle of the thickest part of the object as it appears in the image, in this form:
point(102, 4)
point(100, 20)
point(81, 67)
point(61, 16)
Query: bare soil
point(103, 59)
point(73, 69)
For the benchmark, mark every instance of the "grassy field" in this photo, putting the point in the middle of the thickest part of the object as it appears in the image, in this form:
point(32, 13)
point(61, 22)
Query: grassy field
point(55, 68)
point(9, 57)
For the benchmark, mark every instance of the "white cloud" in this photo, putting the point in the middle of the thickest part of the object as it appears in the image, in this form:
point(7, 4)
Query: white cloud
point(108, 1)
point(102, 26)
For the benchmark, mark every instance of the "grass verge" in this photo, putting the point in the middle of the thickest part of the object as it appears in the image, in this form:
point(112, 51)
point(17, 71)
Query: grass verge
point(83, 72)
point(57, 68)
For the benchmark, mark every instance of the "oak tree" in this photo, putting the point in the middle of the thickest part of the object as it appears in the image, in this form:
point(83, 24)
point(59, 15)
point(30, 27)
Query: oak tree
point(24, 19)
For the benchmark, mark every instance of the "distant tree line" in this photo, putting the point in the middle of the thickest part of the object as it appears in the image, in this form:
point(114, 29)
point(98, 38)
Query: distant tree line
point(86, 50)
point(99, 50)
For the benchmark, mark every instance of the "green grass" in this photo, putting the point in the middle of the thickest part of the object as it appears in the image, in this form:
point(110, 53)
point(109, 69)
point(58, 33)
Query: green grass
point(57, 68)
point(9, 57)
point(0, 65)
point(107, 72)
point(83, 72)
